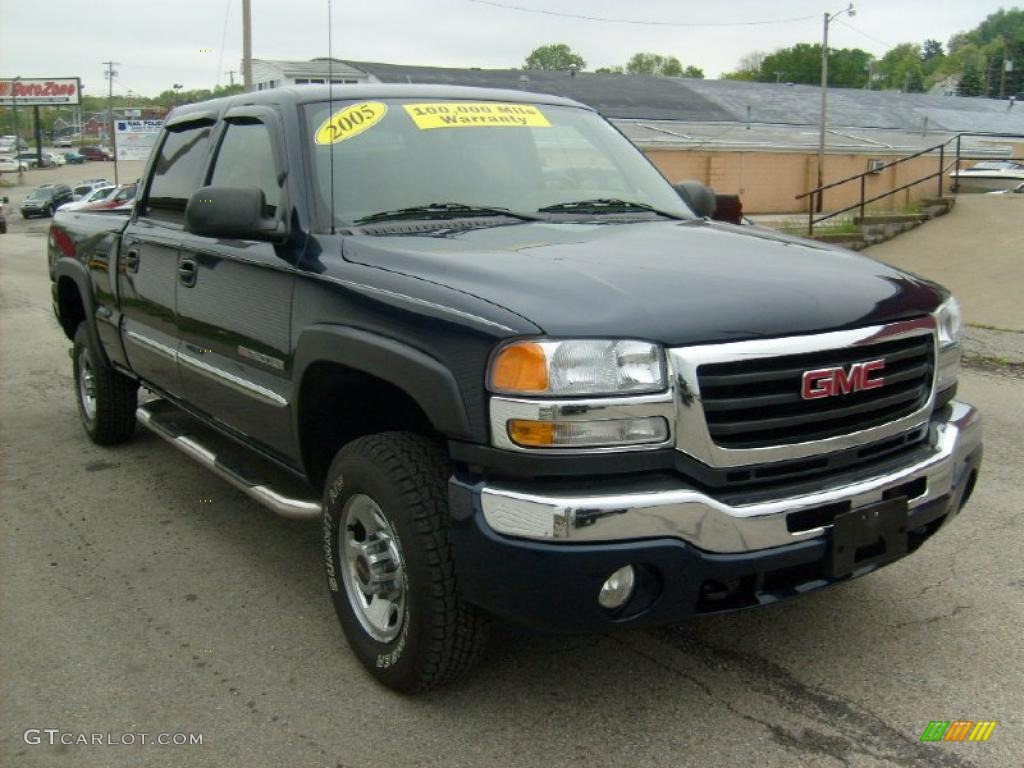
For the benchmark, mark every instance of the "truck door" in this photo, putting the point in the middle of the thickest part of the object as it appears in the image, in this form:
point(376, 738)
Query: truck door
point(148, 269)
point(234, 314)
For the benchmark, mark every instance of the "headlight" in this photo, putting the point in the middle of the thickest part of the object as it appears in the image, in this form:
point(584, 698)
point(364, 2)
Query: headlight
point(578, 367)
point(950, 322)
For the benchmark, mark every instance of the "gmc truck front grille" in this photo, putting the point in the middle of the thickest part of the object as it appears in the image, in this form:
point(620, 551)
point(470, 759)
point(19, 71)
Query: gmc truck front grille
point(760, 402)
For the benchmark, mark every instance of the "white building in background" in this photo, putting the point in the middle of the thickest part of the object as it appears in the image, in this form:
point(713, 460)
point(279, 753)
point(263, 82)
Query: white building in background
point(269, 73)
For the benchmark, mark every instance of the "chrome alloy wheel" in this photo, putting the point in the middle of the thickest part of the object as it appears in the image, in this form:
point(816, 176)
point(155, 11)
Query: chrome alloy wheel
point(87, 385)
point(372, 568)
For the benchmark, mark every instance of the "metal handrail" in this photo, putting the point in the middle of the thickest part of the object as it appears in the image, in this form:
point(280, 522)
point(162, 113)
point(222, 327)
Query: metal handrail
point(816, 194)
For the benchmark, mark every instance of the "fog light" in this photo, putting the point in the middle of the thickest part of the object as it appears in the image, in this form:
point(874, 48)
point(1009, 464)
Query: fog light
point(618, 588)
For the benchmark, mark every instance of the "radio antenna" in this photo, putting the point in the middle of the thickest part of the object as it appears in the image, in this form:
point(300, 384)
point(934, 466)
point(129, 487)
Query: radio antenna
point(330, 103)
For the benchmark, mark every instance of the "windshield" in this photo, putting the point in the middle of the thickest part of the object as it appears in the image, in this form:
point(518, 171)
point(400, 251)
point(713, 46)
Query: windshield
point(393, 154)
point(39, 194)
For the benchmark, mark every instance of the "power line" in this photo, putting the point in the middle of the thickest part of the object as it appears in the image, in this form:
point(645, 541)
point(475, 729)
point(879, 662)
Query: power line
point(865, 34)
point(612, 20)
point(223, 39)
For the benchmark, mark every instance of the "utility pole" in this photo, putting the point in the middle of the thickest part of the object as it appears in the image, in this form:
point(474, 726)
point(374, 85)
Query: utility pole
point(1002, 78)
point(824, 99)
point(17, 129)
point(247, 44)
point(906, 81)
point(110, 110)
point(231, 75)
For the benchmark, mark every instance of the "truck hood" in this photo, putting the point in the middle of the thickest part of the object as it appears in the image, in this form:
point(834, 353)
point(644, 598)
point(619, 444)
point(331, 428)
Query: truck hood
point(668, 281)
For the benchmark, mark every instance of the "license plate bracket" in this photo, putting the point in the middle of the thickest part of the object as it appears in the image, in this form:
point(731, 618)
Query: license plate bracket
point(868, 535)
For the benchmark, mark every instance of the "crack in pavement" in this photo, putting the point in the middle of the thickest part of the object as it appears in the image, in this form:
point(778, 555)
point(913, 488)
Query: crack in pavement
point(844, 728)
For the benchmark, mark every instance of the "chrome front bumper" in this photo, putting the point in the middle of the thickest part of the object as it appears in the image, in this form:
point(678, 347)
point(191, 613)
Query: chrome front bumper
point(674, 510)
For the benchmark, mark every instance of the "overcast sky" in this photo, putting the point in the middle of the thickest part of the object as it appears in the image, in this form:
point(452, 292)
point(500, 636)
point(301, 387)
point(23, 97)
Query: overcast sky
point(187, 41)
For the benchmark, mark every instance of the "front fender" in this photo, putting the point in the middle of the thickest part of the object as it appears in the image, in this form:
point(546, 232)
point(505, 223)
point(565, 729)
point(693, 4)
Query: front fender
point(427, 381)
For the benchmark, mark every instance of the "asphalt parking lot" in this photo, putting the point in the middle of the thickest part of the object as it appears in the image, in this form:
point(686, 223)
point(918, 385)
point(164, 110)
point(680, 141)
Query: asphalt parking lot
point(139, 593)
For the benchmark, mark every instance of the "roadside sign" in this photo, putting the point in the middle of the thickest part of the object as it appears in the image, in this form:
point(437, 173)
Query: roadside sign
point(134, 139)
point(39, 91)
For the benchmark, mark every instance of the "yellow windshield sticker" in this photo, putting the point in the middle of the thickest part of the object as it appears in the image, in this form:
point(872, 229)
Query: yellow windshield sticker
point(467, 114)
point(349, 122)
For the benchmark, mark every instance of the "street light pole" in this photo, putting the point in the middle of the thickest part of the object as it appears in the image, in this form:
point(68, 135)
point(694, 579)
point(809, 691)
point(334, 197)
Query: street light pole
point(829, 18)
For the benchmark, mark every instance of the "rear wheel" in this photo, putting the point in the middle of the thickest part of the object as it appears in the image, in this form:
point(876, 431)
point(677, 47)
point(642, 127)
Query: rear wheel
point(389, 563)
point(106, 399)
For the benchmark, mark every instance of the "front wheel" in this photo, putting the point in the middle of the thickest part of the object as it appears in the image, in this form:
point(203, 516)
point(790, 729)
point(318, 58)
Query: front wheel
point(389, 563)
point(106, 399)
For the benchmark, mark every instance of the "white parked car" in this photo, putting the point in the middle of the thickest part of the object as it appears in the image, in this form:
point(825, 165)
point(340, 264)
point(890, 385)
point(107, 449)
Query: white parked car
point(87, 187)
point(56, 158)
point(1018, 190)
point(96, 195)
point(62, 142)
point(11, 165)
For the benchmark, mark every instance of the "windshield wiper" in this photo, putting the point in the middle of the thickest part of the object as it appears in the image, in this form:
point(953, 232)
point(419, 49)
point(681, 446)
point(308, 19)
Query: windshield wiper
point(604, 205)
point(443, 211)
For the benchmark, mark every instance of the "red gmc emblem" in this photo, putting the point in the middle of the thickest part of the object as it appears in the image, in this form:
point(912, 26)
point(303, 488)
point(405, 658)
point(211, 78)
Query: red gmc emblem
point(829, 382)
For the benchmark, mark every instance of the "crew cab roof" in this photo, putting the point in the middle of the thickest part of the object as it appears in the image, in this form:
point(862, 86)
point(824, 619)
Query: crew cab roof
point(306, 94)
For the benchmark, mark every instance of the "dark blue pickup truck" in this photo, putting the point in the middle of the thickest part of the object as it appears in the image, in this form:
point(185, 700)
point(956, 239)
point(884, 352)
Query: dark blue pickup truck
point(510, 368)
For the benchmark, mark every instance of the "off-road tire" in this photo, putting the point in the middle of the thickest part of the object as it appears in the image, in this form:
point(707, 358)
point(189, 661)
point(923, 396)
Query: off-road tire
point(442, 636)
point(116, 396)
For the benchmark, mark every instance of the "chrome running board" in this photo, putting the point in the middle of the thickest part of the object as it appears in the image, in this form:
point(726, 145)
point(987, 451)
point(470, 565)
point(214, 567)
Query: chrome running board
point(250, 473)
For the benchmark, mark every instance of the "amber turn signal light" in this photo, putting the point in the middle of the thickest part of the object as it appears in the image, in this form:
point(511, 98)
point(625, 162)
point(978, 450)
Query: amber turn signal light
point(531, 434)
point(520, 368)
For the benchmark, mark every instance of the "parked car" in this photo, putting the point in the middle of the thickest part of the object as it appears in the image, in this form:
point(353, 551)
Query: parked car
point(34, 162)
point(93, 195)
point(73, 158)
point(45, 200)
point(87, 186)
point(119, 201)
point(56, 158)
point(564, 397)
point(1018, 190)
point(3, 214)
point(83, 190)
point(95, 153)
point(63, 141)
point(7, 144)
point(12, 165)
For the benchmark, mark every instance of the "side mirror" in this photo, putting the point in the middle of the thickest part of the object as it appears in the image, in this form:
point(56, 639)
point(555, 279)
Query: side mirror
point(701, 199)
point(235, 213)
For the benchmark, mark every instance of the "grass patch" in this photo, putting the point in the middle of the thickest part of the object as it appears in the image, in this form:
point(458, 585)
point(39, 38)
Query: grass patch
point(840, 225)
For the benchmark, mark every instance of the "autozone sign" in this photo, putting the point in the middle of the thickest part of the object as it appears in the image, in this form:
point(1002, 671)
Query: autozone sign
point(829, 382)
point(39, 92)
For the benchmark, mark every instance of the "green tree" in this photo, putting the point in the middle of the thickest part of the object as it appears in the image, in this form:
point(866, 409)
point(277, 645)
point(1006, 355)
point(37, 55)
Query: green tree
point(748, 68)
point(847, 67)
point(902, 68)
point(695, 72)
point(654, 64)
point(557, 57)
point(971, 82)
point(931, 49)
